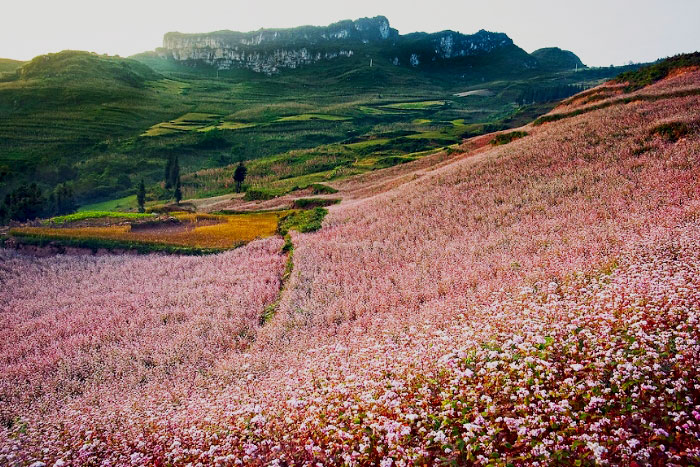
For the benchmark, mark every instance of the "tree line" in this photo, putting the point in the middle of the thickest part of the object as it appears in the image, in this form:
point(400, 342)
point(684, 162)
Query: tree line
point(534, 95)
point(28, 202)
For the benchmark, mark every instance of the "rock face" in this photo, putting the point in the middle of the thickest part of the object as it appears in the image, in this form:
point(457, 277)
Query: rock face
point(271, 50)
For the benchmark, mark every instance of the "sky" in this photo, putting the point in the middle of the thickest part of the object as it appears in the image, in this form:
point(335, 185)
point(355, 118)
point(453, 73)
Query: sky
point(600, 32)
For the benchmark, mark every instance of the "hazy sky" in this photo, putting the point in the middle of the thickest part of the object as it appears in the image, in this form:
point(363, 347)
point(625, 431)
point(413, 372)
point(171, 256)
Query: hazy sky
point(601, 32)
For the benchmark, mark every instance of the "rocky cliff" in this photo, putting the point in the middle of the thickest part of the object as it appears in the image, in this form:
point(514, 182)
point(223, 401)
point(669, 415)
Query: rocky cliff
point(271, 50)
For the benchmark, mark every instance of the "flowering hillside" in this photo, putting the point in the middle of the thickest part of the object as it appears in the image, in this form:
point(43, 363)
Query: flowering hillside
point(537, 303)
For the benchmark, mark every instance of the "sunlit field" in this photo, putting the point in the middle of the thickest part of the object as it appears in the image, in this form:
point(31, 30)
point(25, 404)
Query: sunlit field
point(192, 230)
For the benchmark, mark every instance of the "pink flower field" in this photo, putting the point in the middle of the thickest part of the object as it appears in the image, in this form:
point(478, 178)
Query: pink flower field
point(536, 303)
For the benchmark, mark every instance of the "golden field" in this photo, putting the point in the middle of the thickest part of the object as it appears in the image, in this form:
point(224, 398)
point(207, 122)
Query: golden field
point(192, 230)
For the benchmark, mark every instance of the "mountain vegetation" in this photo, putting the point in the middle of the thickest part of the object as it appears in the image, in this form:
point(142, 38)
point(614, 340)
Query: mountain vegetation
point(101, 124)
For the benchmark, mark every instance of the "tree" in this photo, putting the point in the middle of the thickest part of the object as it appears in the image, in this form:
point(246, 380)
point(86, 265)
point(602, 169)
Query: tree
point(239, 175)
point(141, 196)
point(168, 170)
point(24, 203)
point(61, 201)
point(178, 191)
point(174, 171)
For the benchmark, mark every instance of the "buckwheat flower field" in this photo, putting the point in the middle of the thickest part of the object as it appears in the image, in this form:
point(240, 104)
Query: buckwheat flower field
point(537, 303)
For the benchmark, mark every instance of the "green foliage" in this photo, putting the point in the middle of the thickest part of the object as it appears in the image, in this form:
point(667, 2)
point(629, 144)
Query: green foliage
point(96, 244)
point(78, 216)
point(141, 196)
point(71, 65)
point(8, 66)
point(554, 58)
point(23, 204)
point(81, 118)
point(320, 189)
point(672, 131)
point(505, 138)
point(255, 194)
point(61, 201)
point(178, 191)
point(303, 221)
point(128, 203)
point(172, 171)
point(652, 73)
point(308, 203)
point(239, 175)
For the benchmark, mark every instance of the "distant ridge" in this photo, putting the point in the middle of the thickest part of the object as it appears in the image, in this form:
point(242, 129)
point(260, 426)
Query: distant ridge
point(271, 50)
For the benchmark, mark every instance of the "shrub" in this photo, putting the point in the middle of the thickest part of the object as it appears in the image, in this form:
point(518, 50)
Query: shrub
point(302, 221)
point(308, 203)
point(672, 131)
point(505, 138)
point(255, 194)
point(320, 188)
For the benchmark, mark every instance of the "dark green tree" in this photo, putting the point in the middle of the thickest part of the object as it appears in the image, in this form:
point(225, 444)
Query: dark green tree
point(239, 175)
point(22, 204)
point(174, 171)
point(141, 196)
point(62, 201)
point(178, 191)
point(168, 170)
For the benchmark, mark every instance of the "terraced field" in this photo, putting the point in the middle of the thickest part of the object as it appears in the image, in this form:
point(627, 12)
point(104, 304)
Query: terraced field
point(205, 232)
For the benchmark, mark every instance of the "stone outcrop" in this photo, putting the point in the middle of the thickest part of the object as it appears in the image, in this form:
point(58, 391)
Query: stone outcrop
point(270, 50)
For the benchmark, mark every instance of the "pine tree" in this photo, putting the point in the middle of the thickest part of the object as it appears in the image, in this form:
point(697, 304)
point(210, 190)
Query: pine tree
point(141, 196)
point(168, 171)
point(174, 171)
point(178, 191)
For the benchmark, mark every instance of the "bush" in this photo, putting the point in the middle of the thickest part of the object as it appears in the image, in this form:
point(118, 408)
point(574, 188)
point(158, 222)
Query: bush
point(672, 131)
point(505, 138)
point(320, 189)
point(308, 203)
point(303, 221)
point(258, 194)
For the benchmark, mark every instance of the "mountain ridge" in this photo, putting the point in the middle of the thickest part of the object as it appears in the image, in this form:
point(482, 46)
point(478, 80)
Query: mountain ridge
point(270, 51)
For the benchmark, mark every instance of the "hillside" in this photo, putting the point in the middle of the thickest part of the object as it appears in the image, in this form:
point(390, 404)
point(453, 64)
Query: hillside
point(100, 124)
point(58, 110)
point(534, 302)
point(7, 65)
point(554, 58)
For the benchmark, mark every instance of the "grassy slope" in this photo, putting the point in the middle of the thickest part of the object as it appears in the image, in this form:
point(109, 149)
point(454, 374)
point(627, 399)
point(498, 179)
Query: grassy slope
point(80, 117)
point(8, 65)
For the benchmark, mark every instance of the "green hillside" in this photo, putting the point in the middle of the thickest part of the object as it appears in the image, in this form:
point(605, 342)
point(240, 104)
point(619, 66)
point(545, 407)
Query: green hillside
point(554, 58)
point(7, 65)
point(102, 123)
